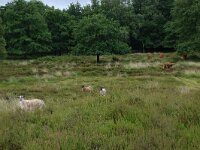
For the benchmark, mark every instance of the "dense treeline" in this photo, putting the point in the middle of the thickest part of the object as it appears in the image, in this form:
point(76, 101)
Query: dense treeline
point(104, 27)
point(2, 42)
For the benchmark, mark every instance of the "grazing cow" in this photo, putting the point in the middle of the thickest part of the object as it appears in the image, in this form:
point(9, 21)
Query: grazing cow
point(168, 65)
point(161, 55)
point(87, 88)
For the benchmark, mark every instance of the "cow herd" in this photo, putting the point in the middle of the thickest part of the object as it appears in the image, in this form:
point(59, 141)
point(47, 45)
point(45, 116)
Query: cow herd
point(167, 65)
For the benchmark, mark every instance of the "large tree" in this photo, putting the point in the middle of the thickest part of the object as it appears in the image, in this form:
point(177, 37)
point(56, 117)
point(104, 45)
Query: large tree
point(186, 26)
point(152, 15)
point(2, 42)
point(97, 35)
point(144, 18)
point(60, 24)
point(26, 29)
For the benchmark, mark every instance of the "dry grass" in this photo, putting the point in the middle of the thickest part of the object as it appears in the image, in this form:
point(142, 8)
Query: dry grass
point(44, 70)
point(194, 84)
point(108, 66)
point(190, 64)
point(194, 72)
point(183, 90)
point(8, 105)
point(141, 65)
point(34, 70)
point(151, 84)
point(58, 73)
point(24, 63)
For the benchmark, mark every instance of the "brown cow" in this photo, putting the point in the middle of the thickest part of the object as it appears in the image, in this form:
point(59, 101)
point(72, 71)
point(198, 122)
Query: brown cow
point(168, 65)
point(161, 55)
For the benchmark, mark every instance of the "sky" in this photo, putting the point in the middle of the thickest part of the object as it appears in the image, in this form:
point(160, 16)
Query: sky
point(56, 3)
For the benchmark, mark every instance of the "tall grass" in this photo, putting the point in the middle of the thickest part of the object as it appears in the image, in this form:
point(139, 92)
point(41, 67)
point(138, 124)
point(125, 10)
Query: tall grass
point(145, 107)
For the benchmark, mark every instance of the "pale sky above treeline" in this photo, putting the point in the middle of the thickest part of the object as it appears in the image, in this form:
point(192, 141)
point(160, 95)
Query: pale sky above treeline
point(61, 4)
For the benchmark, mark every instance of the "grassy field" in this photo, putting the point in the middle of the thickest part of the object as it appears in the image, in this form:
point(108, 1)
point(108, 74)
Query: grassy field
point(146, 107)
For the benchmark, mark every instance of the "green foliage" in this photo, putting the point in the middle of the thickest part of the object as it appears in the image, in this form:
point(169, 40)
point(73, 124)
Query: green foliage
point(75, 10)
point(3, 52)
point(145, 19)
point(185, 25)
point(60, 25)
point(26, 31)
point(152, 15)
point(87, 11)
point(121, 11)
point(104, 27)
point(96, 35)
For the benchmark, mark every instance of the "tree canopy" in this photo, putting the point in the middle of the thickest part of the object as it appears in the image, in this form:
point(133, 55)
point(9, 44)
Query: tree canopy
point(98, 35)
point(2, 42)
point(186, 26)
point(26, 30)
point(60, 25)
point(103, 27)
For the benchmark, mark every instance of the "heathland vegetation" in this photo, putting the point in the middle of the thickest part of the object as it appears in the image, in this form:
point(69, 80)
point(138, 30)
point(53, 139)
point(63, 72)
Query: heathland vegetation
point(152, 99)
point(146, 107)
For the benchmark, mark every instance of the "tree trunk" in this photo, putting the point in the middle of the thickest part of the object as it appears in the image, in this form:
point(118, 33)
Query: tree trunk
point(143, 48)
point(60, 53)
point(185, 56)
point(98, 61)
